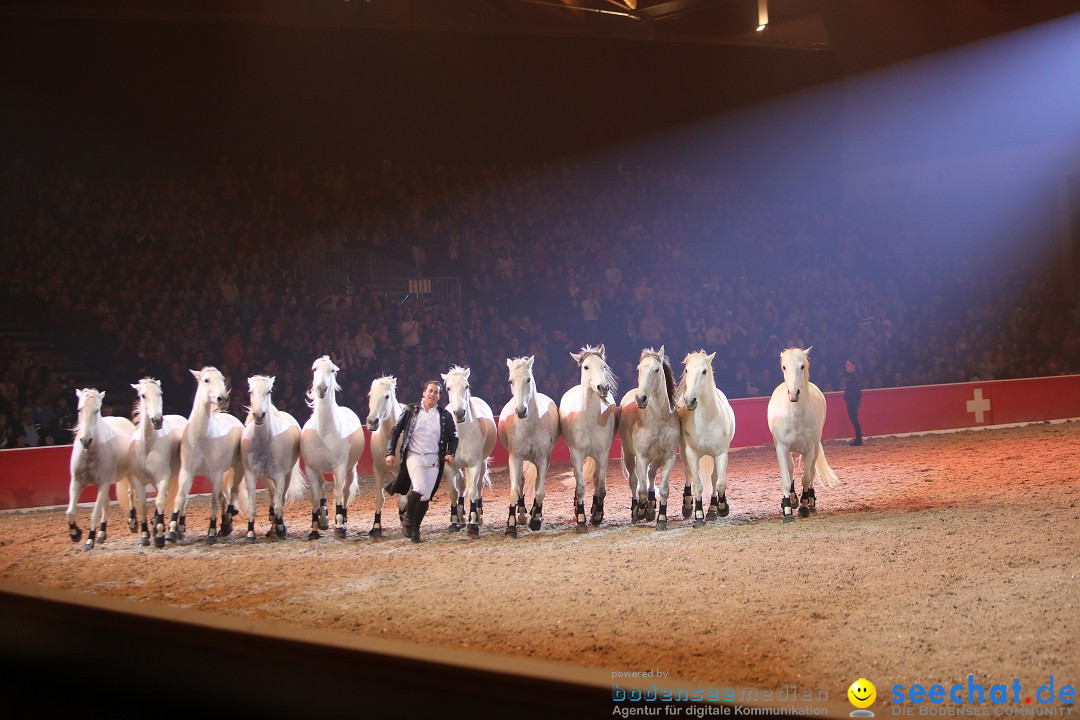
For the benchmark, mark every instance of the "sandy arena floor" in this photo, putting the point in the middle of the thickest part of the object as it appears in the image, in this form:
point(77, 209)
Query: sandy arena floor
point(937, 556)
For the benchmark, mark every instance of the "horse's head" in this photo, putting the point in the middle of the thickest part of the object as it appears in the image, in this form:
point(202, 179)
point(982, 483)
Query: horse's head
point(522, 384)
point(89, 411)
point(457, 391)
point(150, 401)
point(596, 376)
point(654, 377)
point(697, 377)
point(324, 378)
point(211, 389)
point(260, 388)
point(381, 400)
point(795, 364)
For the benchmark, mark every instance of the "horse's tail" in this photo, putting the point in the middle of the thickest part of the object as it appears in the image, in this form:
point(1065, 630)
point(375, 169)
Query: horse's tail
point(823, 469)
point(298, 484)
point(486, 477)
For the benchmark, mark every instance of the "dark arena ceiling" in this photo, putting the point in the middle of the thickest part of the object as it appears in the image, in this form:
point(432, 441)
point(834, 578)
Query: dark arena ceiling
point(864, 33)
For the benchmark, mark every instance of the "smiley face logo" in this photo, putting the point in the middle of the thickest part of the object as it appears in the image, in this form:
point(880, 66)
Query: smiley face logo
point(862, 693)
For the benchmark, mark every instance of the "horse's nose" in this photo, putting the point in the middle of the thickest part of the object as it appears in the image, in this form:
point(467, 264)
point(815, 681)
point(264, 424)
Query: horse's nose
point(260, 418)
point(794, 396)
point(86, 442)
point(691, 404)
point(373, 424)
point(523, 412)
point(321, 392)
point(602, 390)
point(459, 416)
point(156, 422)
point(642, 401)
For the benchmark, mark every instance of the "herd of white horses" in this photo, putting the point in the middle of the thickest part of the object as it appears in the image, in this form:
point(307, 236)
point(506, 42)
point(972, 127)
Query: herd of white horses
point(656, 421)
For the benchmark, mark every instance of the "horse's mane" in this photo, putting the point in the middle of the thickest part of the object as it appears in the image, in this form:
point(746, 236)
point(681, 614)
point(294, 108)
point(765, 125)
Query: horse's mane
point(456, 370)
point(310, 394)
point(136, 409)
point(805, 353)
point(77, 430)
point(669, 375)
point(609, 377)
point(682, 380)
point(388, 379)
point(520, 361)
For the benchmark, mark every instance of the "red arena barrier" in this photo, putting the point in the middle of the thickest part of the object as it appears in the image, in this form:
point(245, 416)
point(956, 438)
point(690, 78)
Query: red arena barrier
point(38, 477)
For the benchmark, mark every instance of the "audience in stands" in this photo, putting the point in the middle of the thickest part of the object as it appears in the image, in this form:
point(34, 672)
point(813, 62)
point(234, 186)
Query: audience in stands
point(153, 276)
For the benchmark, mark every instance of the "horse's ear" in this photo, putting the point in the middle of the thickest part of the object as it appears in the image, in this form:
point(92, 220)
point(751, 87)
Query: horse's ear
point(532, 359)
point(272, 379)
point(134, 386)
point(660, 352)
point(78, 393)
point(195, 373)
point(809, 349)
point(101, 395)
point(603, 353)
point(710, 357)
point(443, 376)
point(509, 363)
point(577, 357)
point(467, 372)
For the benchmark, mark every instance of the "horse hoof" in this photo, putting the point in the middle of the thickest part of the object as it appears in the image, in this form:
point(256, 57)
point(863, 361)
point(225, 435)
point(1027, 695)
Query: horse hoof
point(313, 535)
point(171, 536)
point(88, 546)
point(789, 518)
point(226, 530)
point(511, 531)
point(661, 524)
point(211, 539)
point(804, 511)
point(454, 527)
point(535, 524)
point(133, 526)
point(324, 520)
point(522, 518)
point(687, 512)
point(75, 535)
point(650, 514)
point(581, 528)
point(724, 511)
point(159, 541)
point(711, 515)
point(699, 523)
point(473, 530)
point(339, 532)
point(281, 532)
point(375, 533)
point(144, 541)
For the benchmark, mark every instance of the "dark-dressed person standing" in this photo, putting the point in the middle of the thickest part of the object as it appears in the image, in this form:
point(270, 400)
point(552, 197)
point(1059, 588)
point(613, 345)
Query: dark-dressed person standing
point(429, 443)
point(853, 398)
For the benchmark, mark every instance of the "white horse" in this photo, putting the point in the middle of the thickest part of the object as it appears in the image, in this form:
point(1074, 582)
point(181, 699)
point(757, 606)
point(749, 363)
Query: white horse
point(796, 416)
point(270, 449)
point(155, 451)
point(99, 457)
point(383, 413)
point(476, 439)
point(209, 447)
point(708, 426)
point(331, 442)
point(589, 418)
point(528, 429)
point(649, 430)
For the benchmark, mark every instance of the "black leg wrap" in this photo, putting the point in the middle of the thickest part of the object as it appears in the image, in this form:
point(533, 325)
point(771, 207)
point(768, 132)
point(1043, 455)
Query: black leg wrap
point(74, 532)
point(713, 502)
point(687, 502)
point(661, 518)
point(511, 522)
point(699, 514)
point(579, 516)
point(785, 507)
